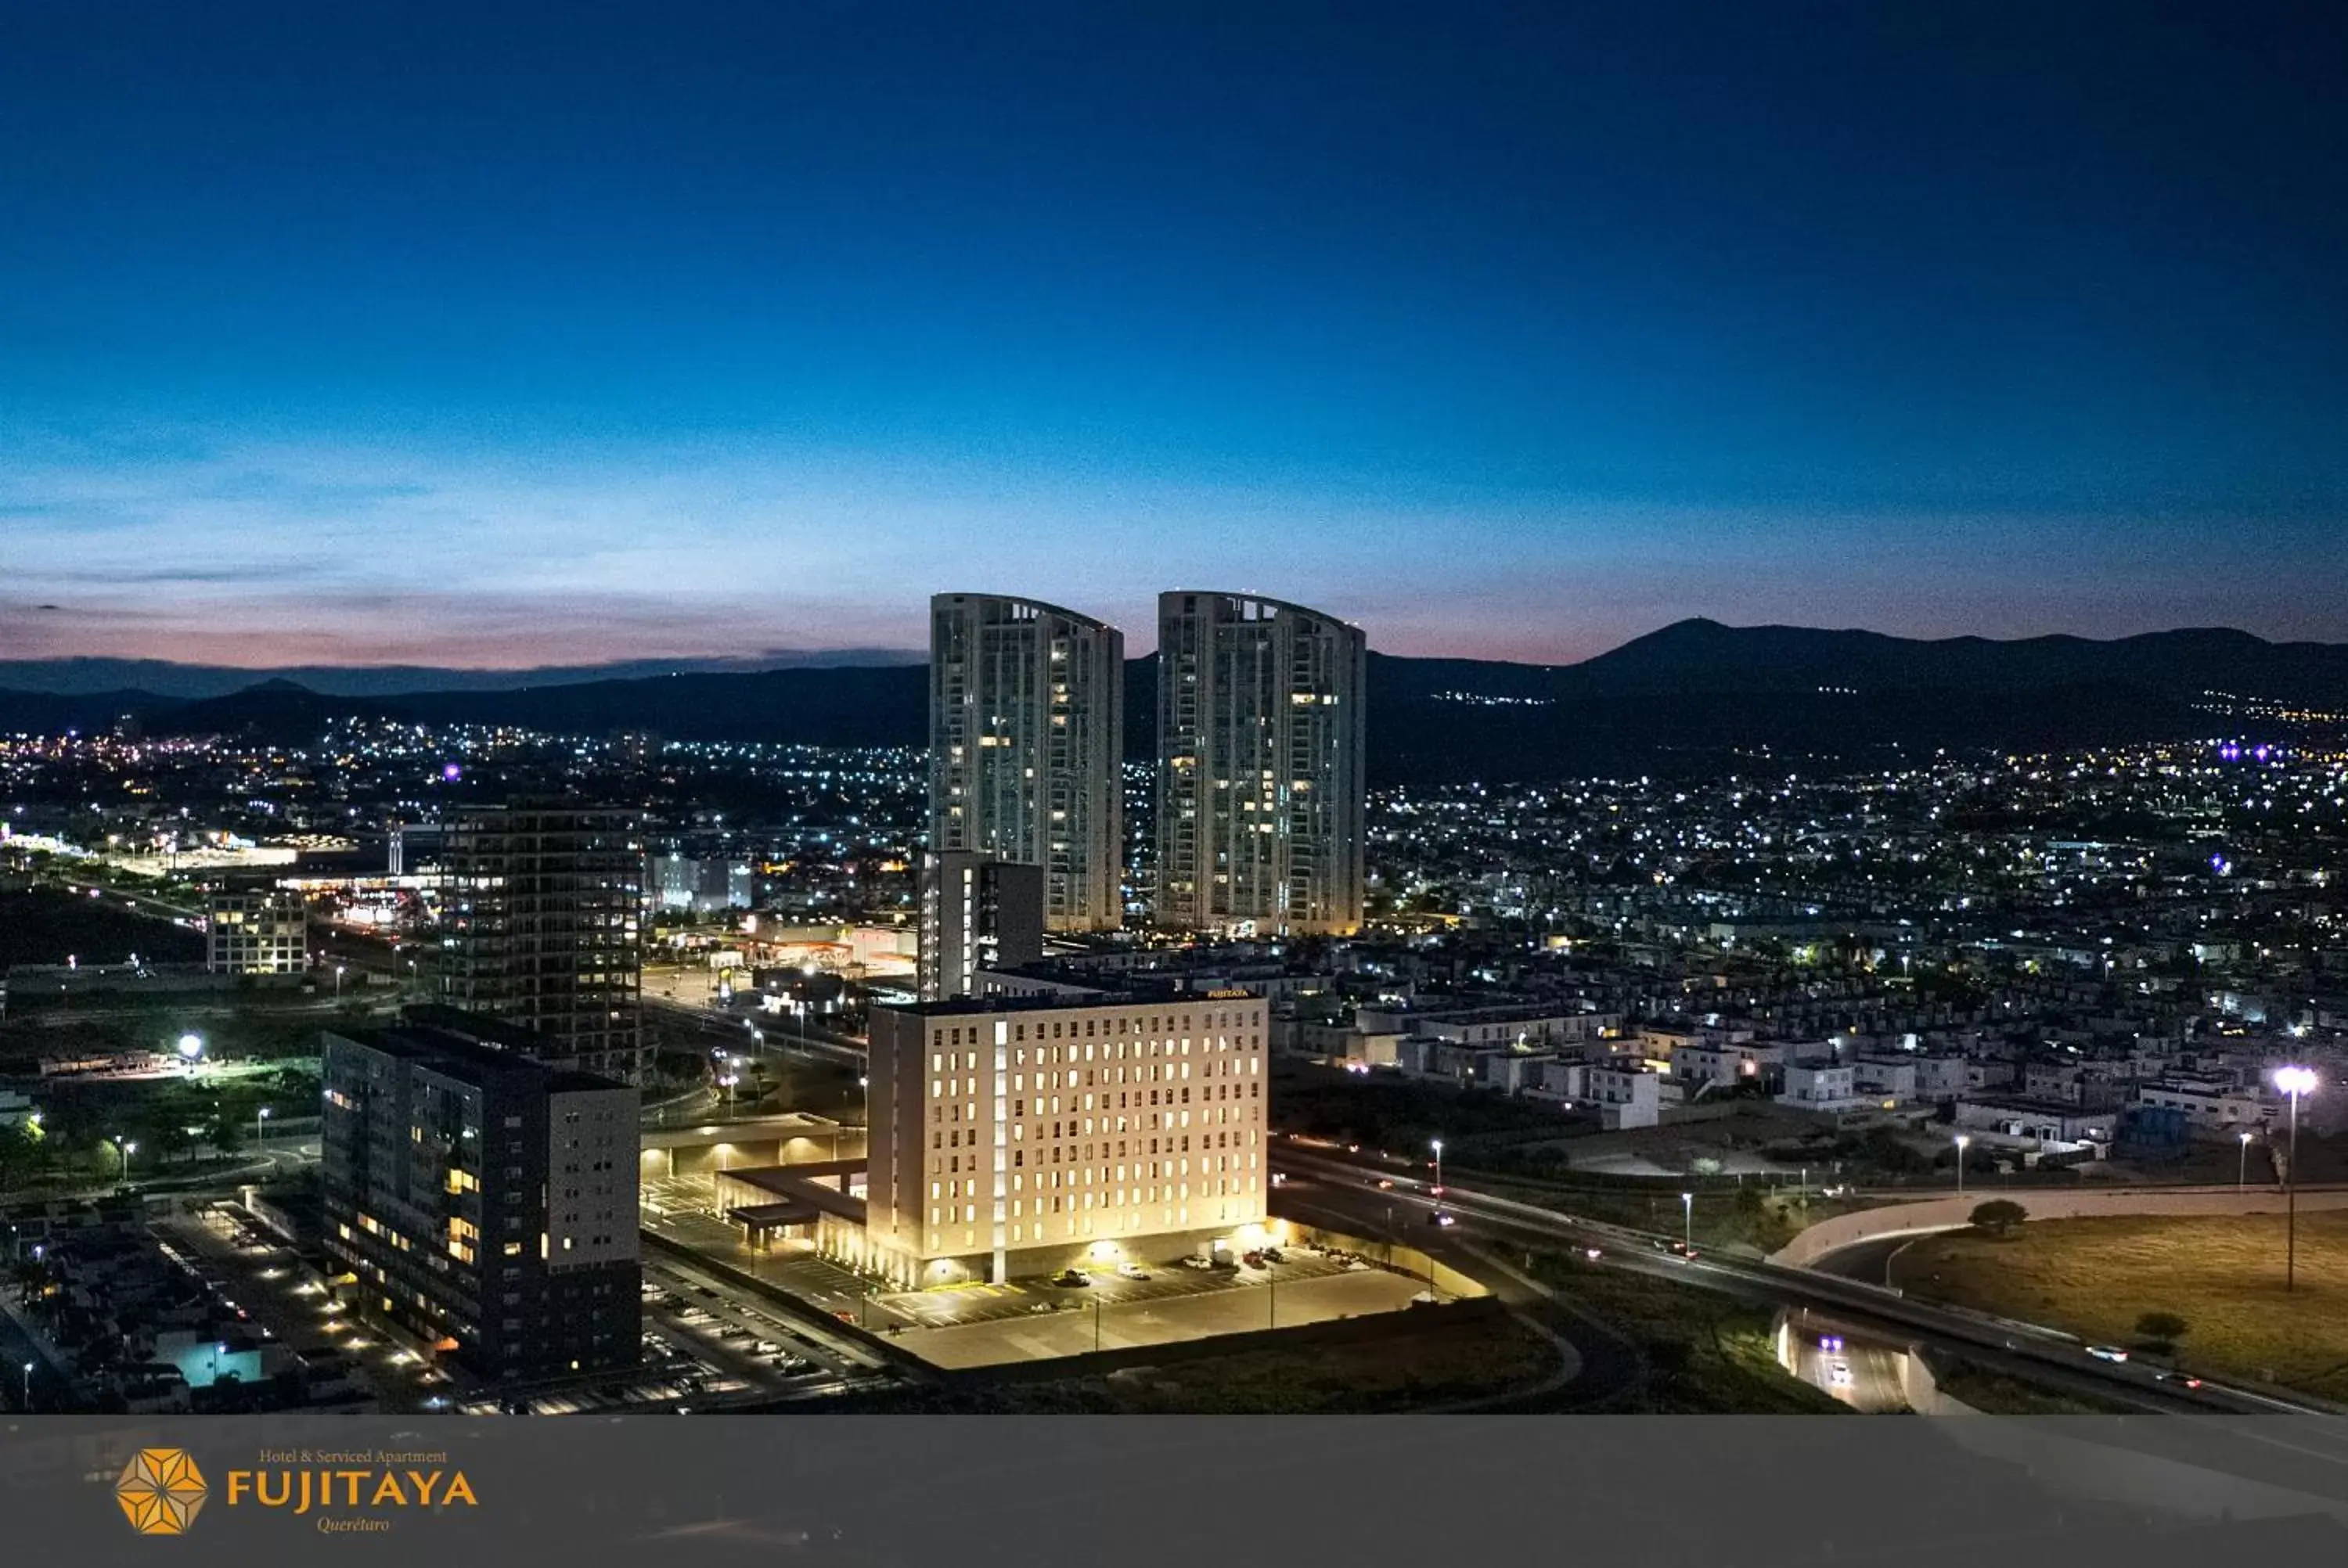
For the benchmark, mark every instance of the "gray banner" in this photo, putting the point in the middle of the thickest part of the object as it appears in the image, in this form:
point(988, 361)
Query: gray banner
point(1137, 1492)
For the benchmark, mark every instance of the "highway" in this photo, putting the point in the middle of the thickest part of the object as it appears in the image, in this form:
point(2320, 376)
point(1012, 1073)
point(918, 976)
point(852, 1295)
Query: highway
point(764, 1036)
point(2027, 1351)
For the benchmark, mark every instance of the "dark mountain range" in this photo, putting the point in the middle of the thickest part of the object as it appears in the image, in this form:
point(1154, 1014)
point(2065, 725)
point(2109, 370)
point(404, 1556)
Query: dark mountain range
point(160, 678)
point(1695, 696)
point(1705, 656)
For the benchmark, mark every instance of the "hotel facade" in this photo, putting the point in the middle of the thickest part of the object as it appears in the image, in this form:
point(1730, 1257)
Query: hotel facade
point(1012, 1137)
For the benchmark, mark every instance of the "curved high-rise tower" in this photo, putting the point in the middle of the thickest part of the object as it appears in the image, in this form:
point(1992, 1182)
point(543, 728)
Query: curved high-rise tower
point(1260, 766)
point(1027, 739)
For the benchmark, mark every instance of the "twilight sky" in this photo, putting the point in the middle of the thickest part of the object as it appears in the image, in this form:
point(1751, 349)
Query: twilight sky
point(436, 333)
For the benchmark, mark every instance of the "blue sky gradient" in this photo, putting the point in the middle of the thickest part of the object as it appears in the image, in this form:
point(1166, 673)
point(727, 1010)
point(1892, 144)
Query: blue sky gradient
point(376, 334)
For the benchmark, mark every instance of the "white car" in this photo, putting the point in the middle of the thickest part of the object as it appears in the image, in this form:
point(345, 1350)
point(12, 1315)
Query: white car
point(1839, 1375)
point(2107, 1353)
point(1131, 1271)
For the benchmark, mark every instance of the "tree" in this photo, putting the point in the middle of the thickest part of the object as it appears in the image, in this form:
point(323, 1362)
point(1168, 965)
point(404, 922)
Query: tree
point(15, 1154)
point(1999, 1216)
point(2162, 1329)
point(171, 1139)
point(226, 1132)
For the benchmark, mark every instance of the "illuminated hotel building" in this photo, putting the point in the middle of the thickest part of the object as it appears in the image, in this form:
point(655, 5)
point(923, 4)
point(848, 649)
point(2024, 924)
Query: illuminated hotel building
point(481, 1200)
point(1014, 1137)
point(1259, 767)
point(1027, 739)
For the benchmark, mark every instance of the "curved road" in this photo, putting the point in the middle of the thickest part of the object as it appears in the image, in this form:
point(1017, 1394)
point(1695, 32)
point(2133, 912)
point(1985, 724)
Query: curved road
point(1604, 1367)
point(2022, 1350)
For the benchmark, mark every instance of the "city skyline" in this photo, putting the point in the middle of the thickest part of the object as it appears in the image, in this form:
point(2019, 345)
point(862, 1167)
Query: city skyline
point(1511, 337)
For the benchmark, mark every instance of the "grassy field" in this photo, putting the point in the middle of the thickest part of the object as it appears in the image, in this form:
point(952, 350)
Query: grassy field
point(46, 925)
point(1995, 1394)
point(2223, 1277)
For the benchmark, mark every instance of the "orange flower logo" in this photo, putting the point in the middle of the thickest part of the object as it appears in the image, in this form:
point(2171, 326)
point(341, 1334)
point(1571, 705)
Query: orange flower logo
point(160, 1491)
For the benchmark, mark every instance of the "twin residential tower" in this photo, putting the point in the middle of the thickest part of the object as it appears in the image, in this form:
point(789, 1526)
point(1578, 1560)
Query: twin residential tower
point(1258, 776)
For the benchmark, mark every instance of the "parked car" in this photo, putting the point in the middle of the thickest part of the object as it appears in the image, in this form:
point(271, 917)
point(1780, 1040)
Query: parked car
point(1253, 1260)
point(1071, 1278)
point(1194, 1261)
point(1131, 1271)
point(1274, 1255)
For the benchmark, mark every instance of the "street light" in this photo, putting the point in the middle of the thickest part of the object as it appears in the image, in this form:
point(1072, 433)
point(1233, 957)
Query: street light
point(191, 1046)
point(29, 1388)
point(1688, 1215)
point(2293, 1082)
point(1438, 1167)
point(122, 1152)
point(338, 983)
point(260, 1126)
point(2242, 1175)
point(1962, 1139)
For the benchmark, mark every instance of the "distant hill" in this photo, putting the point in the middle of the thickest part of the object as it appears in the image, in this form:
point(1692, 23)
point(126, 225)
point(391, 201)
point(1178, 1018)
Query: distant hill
point(91, 677)
point(1705, 656)
point(1695, 695)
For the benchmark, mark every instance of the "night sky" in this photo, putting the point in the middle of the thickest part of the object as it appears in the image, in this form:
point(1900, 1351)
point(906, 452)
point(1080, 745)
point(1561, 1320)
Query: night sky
point(361, 334)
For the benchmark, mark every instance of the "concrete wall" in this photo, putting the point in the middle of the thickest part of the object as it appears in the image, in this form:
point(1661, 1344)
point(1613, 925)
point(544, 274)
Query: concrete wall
point(1922, 1390)
point(1952, 1213)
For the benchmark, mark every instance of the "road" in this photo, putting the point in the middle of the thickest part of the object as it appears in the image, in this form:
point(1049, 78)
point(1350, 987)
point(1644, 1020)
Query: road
point(1862, 1374)
point(2022, 1350)
point(763, 1036)
point(1611, 1366)
point(1869, 1263)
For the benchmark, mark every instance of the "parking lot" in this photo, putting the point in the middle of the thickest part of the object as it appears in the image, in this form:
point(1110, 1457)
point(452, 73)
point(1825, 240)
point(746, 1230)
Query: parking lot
point(1077, 1322)
point(267, 1286)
